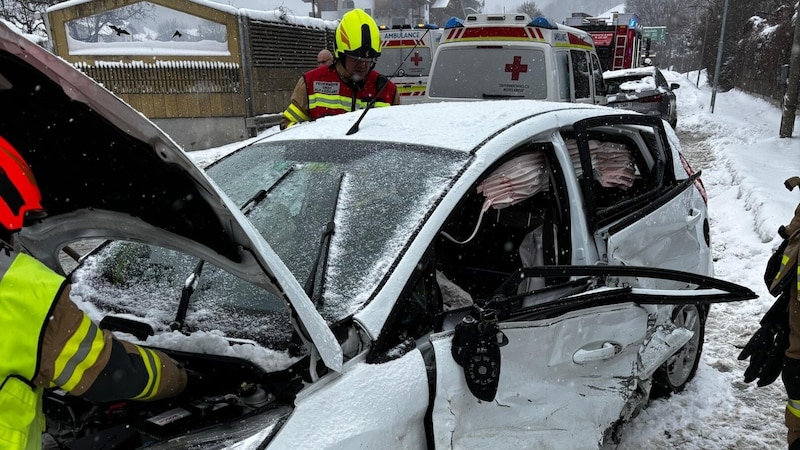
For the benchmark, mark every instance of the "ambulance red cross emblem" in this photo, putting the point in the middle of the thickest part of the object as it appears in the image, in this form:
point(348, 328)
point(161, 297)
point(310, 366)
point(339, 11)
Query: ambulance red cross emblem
point(516, 68)
point(416, 58)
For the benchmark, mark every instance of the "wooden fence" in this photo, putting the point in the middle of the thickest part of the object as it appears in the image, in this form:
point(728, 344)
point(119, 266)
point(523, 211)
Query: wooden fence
point(174, 89)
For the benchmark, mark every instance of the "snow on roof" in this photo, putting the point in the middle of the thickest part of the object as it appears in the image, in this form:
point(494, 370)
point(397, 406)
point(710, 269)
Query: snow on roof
point(610, 13)
point(459, 125)
point(648, 70)
point(207, 3)
point(279, 14)
point(282, 15)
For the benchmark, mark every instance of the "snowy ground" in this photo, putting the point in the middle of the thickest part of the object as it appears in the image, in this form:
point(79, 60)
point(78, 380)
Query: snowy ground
point(744, 164)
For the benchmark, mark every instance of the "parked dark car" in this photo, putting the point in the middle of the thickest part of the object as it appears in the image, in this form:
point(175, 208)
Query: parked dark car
point(644, 90)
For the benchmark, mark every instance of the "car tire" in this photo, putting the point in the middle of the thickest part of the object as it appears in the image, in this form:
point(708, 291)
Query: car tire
point(680, 368)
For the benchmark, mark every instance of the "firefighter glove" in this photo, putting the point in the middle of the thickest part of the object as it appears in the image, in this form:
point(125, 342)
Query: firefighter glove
point(792, 183)
point(766, 350)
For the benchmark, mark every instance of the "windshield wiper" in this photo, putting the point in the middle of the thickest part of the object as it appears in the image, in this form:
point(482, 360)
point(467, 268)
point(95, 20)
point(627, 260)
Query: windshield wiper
point(322, 252)
point(261, 194)
point(191, 282)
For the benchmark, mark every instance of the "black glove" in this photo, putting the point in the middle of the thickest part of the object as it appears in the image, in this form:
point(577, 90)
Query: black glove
point(766, 351)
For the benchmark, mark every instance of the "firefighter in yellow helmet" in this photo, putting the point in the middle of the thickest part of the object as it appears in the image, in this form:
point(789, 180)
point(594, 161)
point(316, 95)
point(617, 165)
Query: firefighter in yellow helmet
point(47, 341)
point(348, 84)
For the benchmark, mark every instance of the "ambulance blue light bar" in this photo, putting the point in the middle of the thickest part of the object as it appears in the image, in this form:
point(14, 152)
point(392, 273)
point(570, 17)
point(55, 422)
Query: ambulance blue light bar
point(541, 22)
point(454, 22)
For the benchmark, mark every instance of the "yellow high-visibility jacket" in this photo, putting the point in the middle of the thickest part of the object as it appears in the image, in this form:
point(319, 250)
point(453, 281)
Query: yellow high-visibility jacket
point(46, 341)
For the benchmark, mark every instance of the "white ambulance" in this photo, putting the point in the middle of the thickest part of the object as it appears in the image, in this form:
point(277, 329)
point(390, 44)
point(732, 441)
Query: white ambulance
point(406, 56)
point(508, 56)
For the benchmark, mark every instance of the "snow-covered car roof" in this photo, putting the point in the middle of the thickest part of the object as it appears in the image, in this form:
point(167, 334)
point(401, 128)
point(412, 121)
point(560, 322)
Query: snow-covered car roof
point(640, 71)
point(459, 126)
point(639, 79)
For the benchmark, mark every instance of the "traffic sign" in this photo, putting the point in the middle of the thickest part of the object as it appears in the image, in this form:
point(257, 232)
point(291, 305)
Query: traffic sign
point(656, 34)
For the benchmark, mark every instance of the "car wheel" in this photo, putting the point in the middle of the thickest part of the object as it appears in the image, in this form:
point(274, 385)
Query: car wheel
point(680, 368)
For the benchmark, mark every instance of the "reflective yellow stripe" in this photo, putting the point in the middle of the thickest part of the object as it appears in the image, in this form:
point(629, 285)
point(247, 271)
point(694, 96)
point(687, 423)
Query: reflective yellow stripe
point(793, 406)
point(78, 355)
point(338, 102)
point(319, 100)
point(784, 260)
point(295, 114)
point(153, 365)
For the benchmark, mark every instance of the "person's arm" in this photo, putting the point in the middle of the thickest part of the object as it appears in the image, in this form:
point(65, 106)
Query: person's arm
point(297, 111)
point(89, 362)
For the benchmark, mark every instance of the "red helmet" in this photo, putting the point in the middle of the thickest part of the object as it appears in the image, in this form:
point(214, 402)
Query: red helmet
point(19, 193)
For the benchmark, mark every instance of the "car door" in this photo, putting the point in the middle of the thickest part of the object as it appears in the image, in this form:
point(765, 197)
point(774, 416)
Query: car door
point(642, 215)
point(554, 373)
point(552, 365)
point(572, 364)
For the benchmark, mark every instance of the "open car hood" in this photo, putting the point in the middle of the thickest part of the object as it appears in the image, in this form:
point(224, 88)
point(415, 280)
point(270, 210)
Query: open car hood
point(106, 171)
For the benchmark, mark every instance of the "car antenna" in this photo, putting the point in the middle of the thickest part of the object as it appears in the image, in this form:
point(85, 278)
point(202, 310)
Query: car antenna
point(354, 128)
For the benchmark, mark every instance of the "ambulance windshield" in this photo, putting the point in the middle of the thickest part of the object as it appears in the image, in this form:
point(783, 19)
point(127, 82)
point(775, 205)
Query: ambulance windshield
point(489, 72)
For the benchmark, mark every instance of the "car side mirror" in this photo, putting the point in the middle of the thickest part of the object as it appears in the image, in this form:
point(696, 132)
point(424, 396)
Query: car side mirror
point(674, 86)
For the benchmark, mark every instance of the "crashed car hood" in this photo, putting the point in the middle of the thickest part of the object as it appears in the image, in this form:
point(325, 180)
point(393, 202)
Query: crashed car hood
point(106, 171)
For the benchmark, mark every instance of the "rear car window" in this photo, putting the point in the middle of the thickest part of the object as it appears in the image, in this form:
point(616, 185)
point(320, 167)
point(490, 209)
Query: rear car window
point(634, 83)
point(489, 72)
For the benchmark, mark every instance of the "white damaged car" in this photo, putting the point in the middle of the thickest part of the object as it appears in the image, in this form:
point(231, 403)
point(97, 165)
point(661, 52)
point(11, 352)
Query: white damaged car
point(454, 275)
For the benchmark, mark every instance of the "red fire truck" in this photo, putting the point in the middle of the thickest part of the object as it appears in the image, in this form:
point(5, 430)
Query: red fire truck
point(617, 38)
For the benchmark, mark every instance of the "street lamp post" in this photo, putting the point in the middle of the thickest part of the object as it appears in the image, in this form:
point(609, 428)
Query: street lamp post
point(702, 53)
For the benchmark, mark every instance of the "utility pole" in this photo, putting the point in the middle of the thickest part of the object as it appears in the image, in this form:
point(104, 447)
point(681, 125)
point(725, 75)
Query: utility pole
point(702, 51)
point(790, 98)
point(719, 55)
